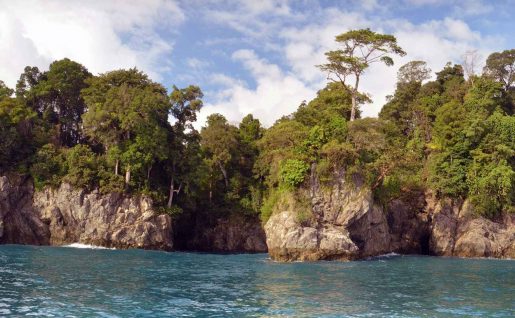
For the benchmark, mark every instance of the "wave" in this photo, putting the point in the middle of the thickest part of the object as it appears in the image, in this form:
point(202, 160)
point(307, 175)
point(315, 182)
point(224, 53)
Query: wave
point(382, 256)
point(94, 247)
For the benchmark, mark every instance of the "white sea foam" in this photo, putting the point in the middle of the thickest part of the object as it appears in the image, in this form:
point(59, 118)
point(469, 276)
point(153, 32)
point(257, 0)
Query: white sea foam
point(382, 256)
point(94, 247)
point(391, 254)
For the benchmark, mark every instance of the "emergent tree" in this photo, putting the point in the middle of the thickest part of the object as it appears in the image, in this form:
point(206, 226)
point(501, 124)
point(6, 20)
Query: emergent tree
point(360, 49)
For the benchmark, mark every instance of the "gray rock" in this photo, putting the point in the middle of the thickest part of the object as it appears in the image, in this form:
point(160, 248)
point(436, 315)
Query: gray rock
point(347, 224)
point(67, 215)
point(457, 231)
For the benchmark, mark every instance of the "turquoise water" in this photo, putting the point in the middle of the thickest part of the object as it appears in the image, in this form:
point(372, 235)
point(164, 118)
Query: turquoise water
point(71, 282)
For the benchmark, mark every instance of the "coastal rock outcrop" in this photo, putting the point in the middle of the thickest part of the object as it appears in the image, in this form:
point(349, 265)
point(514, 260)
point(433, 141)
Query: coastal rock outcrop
point(19, 221)
point(347, 224)
point(457, 231)
point(66, 215)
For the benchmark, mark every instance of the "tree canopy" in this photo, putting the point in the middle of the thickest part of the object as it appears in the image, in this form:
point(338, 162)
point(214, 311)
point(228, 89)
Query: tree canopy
point(122, 132)
point(360, 48)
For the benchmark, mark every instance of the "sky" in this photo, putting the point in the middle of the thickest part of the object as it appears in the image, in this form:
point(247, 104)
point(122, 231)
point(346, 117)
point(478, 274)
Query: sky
point(248, 56)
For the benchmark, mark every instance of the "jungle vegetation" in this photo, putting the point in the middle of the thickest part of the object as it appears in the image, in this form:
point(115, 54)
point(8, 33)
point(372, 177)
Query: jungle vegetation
point(122, 132)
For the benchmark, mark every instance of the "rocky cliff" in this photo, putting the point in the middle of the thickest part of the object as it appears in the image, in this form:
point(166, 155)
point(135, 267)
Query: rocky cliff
point(66, 215)
point(347, 224)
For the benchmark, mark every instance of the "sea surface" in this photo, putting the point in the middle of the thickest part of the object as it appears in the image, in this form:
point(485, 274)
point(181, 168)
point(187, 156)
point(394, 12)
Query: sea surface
point(84, 282)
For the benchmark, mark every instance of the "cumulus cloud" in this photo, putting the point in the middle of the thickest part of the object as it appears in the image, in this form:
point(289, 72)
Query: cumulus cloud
point(267, 51)
point(102, 35)
point(302, 47)
point(277, 93)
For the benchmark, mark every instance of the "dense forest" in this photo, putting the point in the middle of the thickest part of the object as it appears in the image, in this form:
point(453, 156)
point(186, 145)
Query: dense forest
point(122, 132)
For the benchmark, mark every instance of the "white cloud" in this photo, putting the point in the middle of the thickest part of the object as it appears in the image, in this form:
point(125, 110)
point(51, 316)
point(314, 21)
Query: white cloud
point(105, 35)
point(102, 35)
point(253, 19)
point(196, 64)
point(302, 47)
point(459, 7)
point(277, 93)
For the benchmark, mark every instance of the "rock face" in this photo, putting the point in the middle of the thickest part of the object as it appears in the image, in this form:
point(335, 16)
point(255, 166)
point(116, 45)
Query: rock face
point(347, 224)
point(456, 231)
point(19, 221)
point(234, 234)
point(67, 215)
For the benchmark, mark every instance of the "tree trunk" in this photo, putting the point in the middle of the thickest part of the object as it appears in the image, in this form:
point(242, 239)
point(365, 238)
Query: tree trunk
point(170, 195)
point(353, 108)
point(224, 172)
point(210, 191)
point(172, 191)
point(128, 174)
point(148, 173)
point(117, 164)
point(354, 98)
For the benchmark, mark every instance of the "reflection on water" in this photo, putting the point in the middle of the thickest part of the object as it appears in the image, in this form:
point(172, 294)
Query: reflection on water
point(50, 281)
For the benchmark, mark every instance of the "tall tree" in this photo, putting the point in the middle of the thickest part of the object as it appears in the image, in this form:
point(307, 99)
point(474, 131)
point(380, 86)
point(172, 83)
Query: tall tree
point(55, 96)
point(185, 104)
point(402, 108)
point(128, 114)
point(501, 66)
point(360, 49)
point(470, 61)
point(62, 86)
point(219, 141)
point(414, 71)
point(5, 91)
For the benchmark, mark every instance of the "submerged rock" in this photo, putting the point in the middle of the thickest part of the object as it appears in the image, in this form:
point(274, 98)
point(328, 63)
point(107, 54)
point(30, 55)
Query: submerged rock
point(67, 215)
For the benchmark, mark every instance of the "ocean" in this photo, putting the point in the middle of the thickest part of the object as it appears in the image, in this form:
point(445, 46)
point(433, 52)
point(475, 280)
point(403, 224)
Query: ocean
point(79, 281)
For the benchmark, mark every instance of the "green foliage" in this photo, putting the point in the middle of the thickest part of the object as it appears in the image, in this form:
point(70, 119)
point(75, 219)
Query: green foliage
point(414, 71)
point(250, 129)
point(55, 96)
point(492, 187)
point(280, 142)
point(16, 133)
point(81, 166)
point(110, 182)
point(450, 135)
point(317, 137)
point(127, 114)
point(293, 172)
point(286, 199)
point(501, 67)
point(48, 167)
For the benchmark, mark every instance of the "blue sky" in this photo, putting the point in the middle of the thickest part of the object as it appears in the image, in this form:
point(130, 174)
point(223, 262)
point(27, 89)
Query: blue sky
point(248, 56)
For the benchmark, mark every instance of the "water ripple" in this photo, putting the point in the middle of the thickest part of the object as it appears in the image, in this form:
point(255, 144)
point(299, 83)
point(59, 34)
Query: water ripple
point(49, 281)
